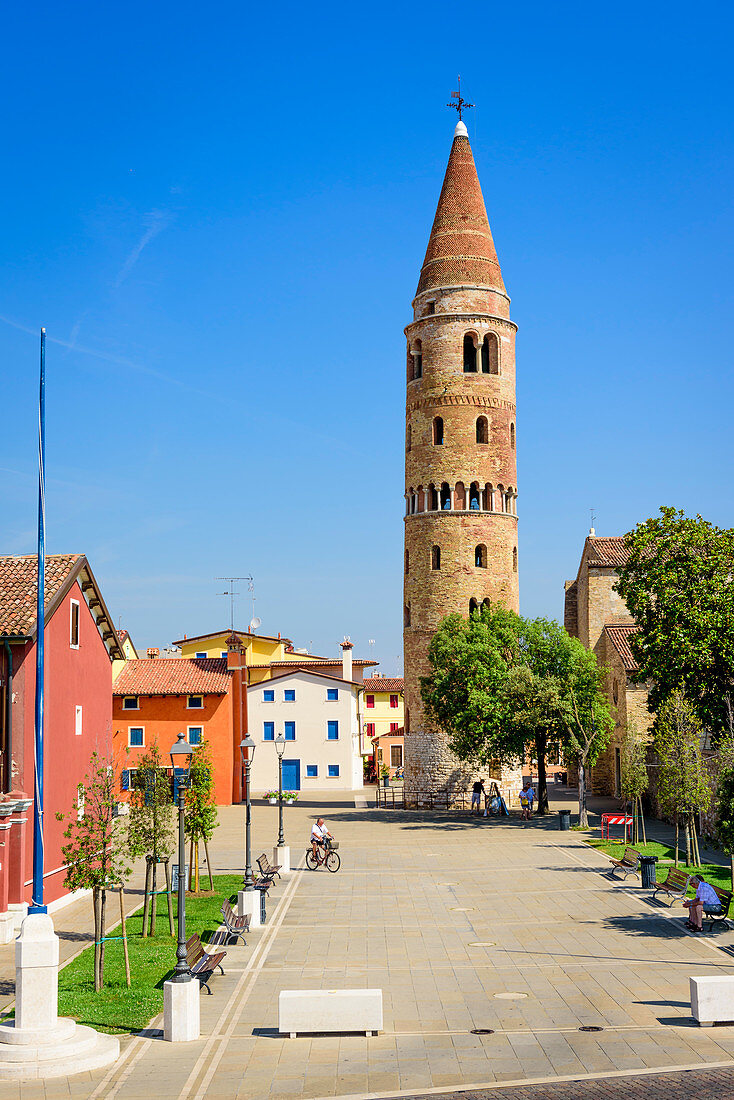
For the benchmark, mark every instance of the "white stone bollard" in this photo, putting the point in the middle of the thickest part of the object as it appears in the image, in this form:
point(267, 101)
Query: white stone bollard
point(313, 1010)
point(712, 999)
point(181, 1011)
point(36, 974)
point(282, 859)
point(248, 904)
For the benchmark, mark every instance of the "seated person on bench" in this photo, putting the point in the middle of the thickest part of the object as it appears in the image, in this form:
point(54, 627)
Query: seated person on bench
point(705, 896)
point(319, 833)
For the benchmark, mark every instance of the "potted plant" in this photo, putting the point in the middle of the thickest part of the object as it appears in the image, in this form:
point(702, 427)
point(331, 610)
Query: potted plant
point(385, 773)
point(290, 796)
point(272, 797)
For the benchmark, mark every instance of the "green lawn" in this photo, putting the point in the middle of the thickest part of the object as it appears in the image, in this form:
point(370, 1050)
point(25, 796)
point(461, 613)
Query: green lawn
point(712, 872)
point(116, 1008)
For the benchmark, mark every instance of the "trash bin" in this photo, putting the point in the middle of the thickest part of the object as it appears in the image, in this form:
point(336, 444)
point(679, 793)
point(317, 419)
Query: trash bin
point(263, 892)
point(647, 867)
point(564, 820)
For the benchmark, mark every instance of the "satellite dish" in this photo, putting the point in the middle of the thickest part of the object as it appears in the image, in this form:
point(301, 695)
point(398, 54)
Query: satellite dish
point(255, 623)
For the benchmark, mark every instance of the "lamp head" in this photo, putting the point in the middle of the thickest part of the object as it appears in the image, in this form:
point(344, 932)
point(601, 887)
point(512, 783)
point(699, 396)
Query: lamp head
point(181, 754)
point(280, 745)
point(247, 748)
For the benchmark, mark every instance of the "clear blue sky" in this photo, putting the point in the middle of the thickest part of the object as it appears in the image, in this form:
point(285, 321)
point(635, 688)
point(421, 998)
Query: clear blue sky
point(219, 212)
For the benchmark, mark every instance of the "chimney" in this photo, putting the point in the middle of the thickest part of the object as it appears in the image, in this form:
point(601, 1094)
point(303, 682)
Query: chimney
point(153, 652)
point(347, 648)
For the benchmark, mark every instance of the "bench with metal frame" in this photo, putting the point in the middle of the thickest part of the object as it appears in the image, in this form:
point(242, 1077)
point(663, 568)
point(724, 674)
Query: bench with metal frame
point(202, 964)
point(721, 917)
point(629, 864)
point(267, 869)
point(234, 925)
point(675, 886)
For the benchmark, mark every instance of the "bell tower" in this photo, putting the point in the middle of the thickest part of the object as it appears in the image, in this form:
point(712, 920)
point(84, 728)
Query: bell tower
point(460, 448)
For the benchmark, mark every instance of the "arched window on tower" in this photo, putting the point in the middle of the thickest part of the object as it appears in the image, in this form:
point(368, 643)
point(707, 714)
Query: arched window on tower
point(488, 497)
point(474, 500)
point(480, 556)
point(470, 354)
point(407, 562)
point(499, 500)
point(435, 557)
point(473, 606)
point(406, 721)
point(406, 615)
point(512, 437)
point(437, 431)
point(490, 354)
point(508, 499)
point(486, 602)
point(408, 437)
point(432, 498)
point(482, 430)
point(514, 560)
point(418, 359)
point(445, 497)
point(460, 497)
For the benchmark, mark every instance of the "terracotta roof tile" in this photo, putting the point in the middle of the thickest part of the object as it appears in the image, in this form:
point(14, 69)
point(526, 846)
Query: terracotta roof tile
point(19, 589)
point(174, 676)
point(620, 636)
point(607, 551)
point(383, 683)
point(460, 248)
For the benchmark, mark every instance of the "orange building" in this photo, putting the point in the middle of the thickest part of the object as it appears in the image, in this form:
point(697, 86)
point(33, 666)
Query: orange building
point(156, 698)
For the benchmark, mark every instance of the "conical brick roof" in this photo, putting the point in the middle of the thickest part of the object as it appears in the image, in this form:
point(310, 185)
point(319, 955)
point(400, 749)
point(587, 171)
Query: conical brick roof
point(461, 250)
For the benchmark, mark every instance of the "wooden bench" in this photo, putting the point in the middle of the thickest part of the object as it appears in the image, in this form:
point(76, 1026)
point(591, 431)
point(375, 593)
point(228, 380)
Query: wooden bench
point(718, 918)
point(675, 886)
point(268, 870)
point(629, 864)
point(200, 962)
point(235, 926)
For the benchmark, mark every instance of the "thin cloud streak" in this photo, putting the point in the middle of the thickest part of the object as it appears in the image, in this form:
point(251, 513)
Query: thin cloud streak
point(158, 220)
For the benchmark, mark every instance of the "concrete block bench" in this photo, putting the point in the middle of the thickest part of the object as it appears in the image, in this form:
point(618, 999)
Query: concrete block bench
point(311, 1010)
point(712, 999)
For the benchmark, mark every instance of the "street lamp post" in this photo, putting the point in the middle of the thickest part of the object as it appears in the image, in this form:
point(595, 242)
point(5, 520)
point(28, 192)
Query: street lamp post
point(247, 750)
point(181, 754)
point(280, 749)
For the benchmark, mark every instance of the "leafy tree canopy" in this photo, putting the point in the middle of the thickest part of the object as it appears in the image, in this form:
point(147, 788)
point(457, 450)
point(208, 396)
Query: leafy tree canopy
point(678, 584)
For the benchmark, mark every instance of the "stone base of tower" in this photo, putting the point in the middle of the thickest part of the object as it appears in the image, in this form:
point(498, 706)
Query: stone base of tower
point(435, 778)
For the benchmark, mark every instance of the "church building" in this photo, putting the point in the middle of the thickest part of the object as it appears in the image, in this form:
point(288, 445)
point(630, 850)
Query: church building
point(460, 450)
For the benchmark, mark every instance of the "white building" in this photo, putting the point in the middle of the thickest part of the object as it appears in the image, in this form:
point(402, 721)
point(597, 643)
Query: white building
point(318, 716)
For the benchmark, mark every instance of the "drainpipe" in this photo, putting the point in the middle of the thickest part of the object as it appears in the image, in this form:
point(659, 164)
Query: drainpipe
point(9, 714)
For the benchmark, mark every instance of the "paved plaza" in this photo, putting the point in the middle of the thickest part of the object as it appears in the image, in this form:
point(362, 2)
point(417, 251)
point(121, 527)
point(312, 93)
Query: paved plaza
point(464, 924)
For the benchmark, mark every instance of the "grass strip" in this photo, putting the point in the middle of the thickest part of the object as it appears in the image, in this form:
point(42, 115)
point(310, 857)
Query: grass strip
point(714, 873)
point(117, 1009)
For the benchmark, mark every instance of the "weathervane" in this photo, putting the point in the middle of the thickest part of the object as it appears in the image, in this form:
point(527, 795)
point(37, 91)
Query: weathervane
point(461, 105)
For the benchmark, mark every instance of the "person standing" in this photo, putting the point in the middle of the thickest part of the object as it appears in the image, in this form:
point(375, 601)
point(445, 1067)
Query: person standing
point(527, 796)
point(476, 795)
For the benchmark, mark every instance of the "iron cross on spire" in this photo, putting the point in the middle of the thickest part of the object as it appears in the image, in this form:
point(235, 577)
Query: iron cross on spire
point(462, 104)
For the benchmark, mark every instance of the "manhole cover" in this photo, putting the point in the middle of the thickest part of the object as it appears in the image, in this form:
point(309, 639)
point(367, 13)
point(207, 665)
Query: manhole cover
point(482, 943)
point(590, 1027)
point(481, 1031)
point(461, 909)
point(510, 996)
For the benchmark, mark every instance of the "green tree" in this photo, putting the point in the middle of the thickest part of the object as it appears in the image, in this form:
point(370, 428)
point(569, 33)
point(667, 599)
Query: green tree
point(96, 855)
point(684, 785)
point(500, 683)
point(151, 824)
point(725, 812)
point(201, 812)
point(678, 585)
point(633, 775)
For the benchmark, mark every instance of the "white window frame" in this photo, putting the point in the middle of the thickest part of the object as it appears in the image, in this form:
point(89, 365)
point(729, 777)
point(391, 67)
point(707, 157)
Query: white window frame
point(200, 655)
point(129, 743)
point(188, 733)
point(392, 762)
point(285, 692)
point(74, 604)
point(196, 696)
point(137, 702)
point(328, 771)
point(316, 773)
point(78, 720)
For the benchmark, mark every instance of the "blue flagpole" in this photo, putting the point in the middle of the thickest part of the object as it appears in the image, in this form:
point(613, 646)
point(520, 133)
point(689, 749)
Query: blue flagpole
point(37, 905)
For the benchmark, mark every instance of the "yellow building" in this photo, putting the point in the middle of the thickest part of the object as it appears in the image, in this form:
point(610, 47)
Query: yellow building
point(382, 711)
point(131, 653)
point(267, 657)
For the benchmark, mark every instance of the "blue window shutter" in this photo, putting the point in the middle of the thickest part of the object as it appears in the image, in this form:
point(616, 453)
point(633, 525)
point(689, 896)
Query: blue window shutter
point(125, 785)
point(332, 731)
point(269, 731)
point(290, 731)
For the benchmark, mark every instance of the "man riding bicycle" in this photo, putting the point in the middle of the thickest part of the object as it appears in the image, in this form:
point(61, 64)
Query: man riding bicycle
point(319, 836)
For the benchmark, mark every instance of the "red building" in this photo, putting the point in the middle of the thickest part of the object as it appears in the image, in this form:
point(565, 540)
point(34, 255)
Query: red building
point(80, 644)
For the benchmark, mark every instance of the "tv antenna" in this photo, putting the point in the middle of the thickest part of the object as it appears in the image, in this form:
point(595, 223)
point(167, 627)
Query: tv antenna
point(593, 521)
point(460, 104)
point(231, 592)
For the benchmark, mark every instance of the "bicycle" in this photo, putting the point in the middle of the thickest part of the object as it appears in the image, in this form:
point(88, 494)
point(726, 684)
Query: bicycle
point(330, 859)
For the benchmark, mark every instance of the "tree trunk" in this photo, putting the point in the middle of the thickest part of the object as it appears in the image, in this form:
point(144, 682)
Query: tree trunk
point(731, 868)
point(677, 837)
point(196, 866)
point(642, 819)
point(154, 899)
point(167, 868)
point(688, 839)
point(191, 866)
point(97, 937)
point(102, 929)
point(541, 747)
point(124, 936)
point(583, 816)
point(208, 865)
point(146, 903)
